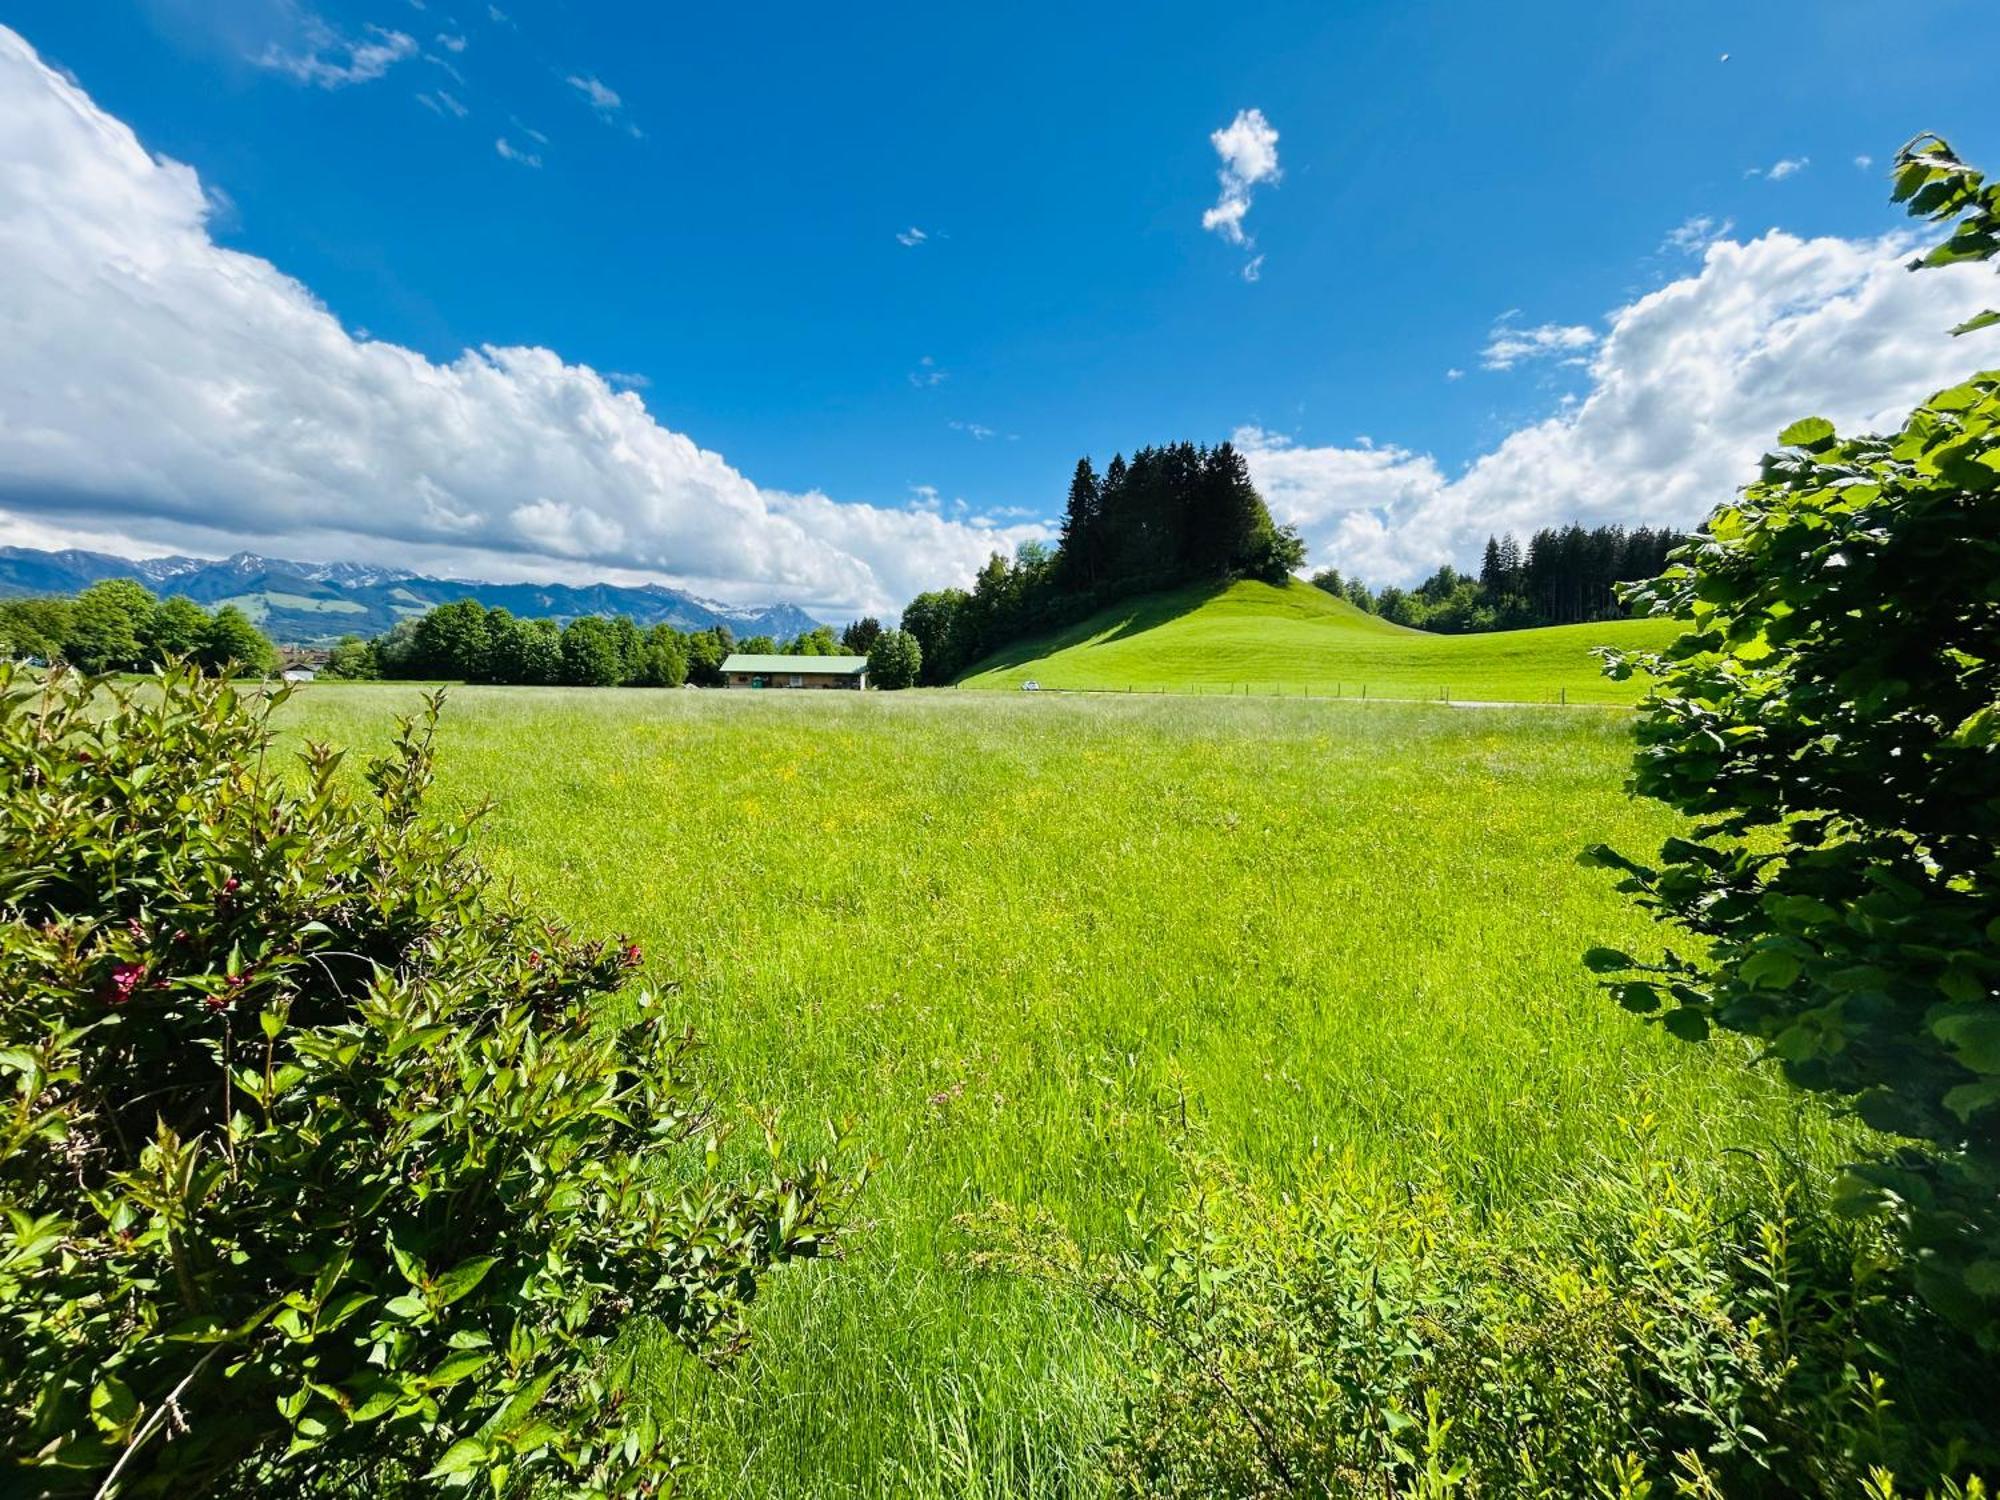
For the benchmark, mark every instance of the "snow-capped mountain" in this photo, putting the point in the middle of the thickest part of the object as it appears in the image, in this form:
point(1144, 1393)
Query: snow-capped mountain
point(303, 604)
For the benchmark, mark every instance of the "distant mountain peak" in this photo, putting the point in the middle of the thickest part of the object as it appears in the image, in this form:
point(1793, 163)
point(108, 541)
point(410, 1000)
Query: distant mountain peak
point(301, 603)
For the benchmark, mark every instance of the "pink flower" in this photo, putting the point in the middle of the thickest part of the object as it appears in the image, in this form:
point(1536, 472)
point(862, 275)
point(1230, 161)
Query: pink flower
point(633, 957)
point(124, 979)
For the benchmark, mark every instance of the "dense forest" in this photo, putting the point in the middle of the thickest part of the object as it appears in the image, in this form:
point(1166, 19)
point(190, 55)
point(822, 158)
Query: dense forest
point(1564, 576)
point(1169, 516)
point(118, 626)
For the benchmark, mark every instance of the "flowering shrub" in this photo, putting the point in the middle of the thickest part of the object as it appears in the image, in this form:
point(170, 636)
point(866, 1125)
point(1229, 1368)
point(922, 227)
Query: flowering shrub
point(321, 1156)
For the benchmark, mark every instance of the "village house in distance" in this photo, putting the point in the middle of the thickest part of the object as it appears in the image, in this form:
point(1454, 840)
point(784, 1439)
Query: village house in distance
point(741, 671)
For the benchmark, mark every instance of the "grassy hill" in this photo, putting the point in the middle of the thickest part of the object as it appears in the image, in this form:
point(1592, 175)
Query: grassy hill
point(1296, 638)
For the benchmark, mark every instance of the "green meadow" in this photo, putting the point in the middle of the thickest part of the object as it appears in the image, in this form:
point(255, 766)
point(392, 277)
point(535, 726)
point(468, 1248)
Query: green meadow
point(1029, 943)
point(1255, 638)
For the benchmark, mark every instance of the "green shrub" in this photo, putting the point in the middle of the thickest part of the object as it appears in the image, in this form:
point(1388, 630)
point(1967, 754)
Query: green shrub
point(323, 1157)
point(1663, 1332)
point(1832, 719)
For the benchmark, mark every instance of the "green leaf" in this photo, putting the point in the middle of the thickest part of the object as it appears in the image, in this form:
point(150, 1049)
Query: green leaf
point(113, 1407)
point(463, 1277)
point(1770, 970)
point(456, 1367)
point(466, 1456)
point(1809, 432)
point(1968, 1099)
point(1974, 1039)
point(408, 1264)
point(1978, 321)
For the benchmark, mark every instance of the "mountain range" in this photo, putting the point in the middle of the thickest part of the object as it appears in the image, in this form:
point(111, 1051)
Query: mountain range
point(308, 604)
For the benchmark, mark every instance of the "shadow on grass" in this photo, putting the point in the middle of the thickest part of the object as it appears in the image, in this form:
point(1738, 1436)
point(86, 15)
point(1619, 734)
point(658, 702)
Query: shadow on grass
point(1115, 622)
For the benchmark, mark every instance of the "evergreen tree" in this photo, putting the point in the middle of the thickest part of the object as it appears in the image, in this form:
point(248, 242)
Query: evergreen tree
point(860, 636)
point(1082, 543)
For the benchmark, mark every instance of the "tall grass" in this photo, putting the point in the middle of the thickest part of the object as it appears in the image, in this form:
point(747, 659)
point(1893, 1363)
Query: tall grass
point(1021, 939)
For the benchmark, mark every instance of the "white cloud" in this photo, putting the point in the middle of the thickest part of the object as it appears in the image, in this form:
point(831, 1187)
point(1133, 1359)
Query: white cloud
point(604, 102)
point(927, 373)
point(450, 43)
point(330, 59)
point(444, 104)
point(1864, 162)
point(1253, 268)
point(1454, 373)
point(628, 380)
point(160, 391)
point(1689, 385)
point(1509, 344)
point(510, 152)
point(1248, 147)
point(1696, 233)
point(975, 430)
point(1778, 171)
point(911, 237)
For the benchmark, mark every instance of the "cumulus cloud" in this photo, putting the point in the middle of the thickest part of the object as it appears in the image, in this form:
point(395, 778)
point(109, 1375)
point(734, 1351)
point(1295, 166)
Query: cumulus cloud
point(158, 390)
point(1509, 344)
point(330, 59)
point(1689, 385)
point(1248, 147)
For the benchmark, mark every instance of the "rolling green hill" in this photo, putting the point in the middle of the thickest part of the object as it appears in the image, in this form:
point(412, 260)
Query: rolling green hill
point(1295, 639)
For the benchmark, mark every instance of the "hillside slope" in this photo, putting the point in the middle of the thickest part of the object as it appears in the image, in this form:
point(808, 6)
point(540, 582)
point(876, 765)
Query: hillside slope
point(1295, 638)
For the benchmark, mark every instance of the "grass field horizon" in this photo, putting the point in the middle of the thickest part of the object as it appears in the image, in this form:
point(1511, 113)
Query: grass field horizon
point(1019, 939)
point(1294, 638)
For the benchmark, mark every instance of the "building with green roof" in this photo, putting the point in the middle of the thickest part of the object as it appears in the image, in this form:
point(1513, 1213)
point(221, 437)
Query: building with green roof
point(741, 670)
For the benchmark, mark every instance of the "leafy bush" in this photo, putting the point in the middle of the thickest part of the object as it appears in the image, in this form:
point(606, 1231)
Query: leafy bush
point(1832, 718)
point(1664, 1334)
point(323, 1157)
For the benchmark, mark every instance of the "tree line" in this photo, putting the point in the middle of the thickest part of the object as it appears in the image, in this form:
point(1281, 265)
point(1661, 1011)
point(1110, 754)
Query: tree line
point(1172, 515)
point(1564, 575)
point(119, 626)
point(467, 641)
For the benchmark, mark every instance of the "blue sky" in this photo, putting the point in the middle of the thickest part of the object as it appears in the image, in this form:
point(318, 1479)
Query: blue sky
point(718, 201)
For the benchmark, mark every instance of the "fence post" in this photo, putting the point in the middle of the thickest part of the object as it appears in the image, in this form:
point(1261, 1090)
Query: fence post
point(1565, 695)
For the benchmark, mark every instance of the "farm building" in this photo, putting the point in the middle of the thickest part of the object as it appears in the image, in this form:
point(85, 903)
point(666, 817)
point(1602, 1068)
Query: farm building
point(741, 671)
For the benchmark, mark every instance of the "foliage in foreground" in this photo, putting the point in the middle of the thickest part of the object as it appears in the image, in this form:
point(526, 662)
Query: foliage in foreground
point(321, 1156)
point(1832, 719)
point(1668, 1334)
